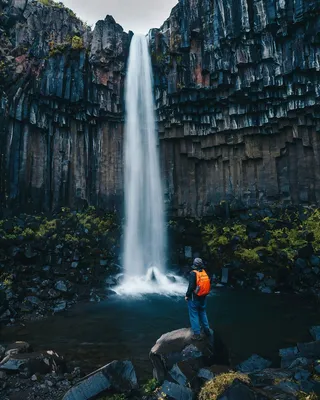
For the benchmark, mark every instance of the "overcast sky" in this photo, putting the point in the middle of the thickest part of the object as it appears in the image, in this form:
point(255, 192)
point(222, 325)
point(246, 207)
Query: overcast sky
point(135, 15)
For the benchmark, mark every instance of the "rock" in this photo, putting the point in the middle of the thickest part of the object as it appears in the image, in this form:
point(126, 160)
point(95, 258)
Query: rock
point(172, 278)
point(302, 375)
point(300, 264)
point(177, 375)
point(173, 391)
point(300, 362)
point(288, 356)
point(315, 332)
point(205, 374)
point(266, 290)
point(2, 351)
point(188, 252)
point(260, 275)
point(60, 306)
point(309, 350)
point(110, 281)
point(174, 347)
point(33, 301)
point(240, 391)
point(32, 363)
point(118, 376)
point(315, 261)
point(288, 387)
point(253, 364)
point(61, 286)
point(269, 376)
point(225, 275)
point(18, 347)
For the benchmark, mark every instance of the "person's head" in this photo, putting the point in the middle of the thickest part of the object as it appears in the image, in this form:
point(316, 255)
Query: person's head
point(197, 263)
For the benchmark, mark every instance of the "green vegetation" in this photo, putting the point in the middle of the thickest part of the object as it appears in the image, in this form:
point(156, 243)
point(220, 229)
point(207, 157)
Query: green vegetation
point(279, 237)
point(214, 388)
point(150, 386)
point(114, 397)
point(77, 43)
point(307, 396)
point(74, 43)
point(51, 3)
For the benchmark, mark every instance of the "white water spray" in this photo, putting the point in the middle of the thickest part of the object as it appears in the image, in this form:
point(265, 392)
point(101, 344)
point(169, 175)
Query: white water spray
point(145, 235)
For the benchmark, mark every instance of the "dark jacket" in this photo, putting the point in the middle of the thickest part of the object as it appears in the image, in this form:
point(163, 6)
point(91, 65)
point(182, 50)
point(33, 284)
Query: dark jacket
point(192, 286)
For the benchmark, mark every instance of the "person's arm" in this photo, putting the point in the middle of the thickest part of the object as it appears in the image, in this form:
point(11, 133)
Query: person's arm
point(192, 285)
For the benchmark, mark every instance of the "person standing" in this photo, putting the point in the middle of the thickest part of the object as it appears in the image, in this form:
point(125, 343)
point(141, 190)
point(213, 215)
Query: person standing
point(198, 289)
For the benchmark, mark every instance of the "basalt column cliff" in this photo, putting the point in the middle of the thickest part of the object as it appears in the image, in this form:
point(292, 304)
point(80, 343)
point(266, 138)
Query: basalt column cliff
point(237, 92)
point(237, 86)
point(61, 108)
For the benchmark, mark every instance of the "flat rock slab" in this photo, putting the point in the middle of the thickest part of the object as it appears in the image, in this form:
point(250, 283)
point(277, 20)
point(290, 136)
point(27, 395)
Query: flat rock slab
point(254, 363)
point(173, 391)
point(309, 350)
point(118, 375)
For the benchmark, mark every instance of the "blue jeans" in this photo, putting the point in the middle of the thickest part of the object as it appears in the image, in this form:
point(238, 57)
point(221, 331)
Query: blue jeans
point(198, 316)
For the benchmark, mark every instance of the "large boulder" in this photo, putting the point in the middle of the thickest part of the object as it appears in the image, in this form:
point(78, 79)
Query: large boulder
point(117, 376)
point(176, 355)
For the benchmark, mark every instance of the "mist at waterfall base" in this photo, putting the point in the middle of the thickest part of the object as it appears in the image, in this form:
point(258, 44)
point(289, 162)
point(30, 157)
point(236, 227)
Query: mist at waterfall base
point(145, 234)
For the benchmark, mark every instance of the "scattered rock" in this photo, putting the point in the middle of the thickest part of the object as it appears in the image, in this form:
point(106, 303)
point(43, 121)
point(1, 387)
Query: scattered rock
point(61, 286)
point(60, 306)
point(175, 392)
point(118, 375)
point(253, 364)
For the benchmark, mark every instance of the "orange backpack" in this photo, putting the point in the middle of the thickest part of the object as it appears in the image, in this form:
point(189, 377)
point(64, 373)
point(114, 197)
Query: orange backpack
point(203, 283)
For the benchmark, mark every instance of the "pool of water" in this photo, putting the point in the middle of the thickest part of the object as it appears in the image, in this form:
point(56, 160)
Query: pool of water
point(126, 328)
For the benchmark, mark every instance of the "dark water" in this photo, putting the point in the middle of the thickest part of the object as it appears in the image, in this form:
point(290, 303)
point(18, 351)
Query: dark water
point(95, 334)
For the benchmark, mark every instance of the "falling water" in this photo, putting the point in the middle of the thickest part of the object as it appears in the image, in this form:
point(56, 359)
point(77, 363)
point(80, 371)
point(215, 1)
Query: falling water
point(144, 242)
point(145, 233)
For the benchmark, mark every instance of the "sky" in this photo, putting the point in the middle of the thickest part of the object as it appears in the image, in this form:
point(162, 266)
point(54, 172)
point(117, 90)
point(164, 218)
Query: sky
point(136, 15)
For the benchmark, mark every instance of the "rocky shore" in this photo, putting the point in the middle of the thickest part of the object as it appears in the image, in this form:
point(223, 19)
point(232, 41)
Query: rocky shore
point(182, 370)
point(48, 263)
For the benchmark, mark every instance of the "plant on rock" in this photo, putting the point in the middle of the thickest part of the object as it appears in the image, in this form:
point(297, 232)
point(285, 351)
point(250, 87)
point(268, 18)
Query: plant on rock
point(214, 388)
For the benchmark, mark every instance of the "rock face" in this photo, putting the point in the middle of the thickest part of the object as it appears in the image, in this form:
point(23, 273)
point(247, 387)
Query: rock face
point(61, 108)
point(237, 94)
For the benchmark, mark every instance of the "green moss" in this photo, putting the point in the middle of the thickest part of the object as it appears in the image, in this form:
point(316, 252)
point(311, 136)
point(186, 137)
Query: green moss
point(214, 388)
point(77, 43)
point(249, 256)
point(46, 228)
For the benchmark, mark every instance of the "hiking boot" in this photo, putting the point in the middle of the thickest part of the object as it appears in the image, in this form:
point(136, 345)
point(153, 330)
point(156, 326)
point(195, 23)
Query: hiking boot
point(207, 332)
point(196, 337)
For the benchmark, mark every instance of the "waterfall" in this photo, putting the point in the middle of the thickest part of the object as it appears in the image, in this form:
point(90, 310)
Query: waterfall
point(144, 232)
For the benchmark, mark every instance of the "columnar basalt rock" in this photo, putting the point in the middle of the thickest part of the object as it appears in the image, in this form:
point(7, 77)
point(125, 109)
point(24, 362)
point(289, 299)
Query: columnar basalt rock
point(237, 95)
point(237, 92)
point(61, 108)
